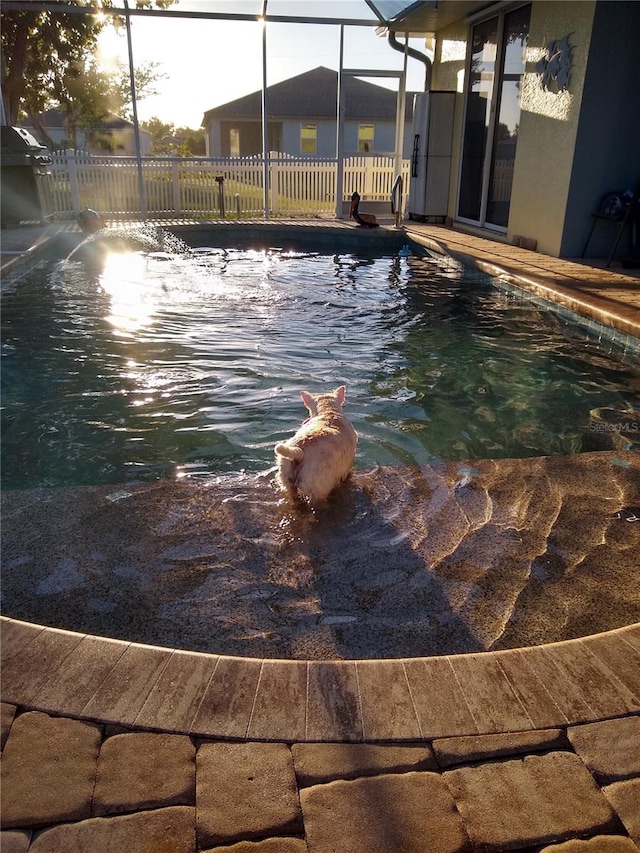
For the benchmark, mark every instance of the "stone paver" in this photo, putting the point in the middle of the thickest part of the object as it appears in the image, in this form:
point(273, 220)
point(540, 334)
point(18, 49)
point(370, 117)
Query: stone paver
point(14, 841)
point(348, 797)
point(48, 770)
point(610, 749)
point(408, 813)
point(550, 798)
point(316, 763)
point(599, 844)
point(488, 693)
point(144, 771)
point(460, 750)
point(170, 830)
point(269, 845)
point(7, 713)
point(625, 799)
point(245, 791)
point(387, 709)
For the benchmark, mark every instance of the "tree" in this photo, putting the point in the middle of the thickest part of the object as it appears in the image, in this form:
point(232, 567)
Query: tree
point(145, 75)
point(44, 51)
point(193, 142)
point(95, 94)
point(175, 141)
point(162, 135)
point(88, 97)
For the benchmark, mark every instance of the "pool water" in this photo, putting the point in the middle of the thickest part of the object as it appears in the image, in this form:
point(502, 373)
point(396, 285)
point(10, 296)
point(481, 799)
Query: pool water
point(163, 366)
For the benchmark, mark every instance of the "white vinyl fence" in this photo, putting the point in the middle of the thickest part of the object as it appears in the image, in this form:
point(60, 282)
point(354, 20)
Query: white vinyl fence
point(193, 187)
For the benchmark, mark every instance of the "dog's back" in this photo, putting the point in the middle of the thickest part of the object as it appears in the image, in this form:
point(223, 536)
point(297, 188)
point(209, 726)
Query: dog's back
point(320, 455)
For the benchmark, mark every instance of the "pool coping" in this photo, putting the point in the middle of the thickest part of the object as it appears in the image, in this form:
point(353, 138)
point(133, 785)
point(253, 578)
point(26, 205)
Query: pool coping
point(153, 688)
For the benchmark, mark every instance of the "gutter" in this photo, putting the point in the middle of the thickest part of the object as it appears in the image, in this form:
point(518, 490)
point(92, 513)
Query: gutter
point(421, 57)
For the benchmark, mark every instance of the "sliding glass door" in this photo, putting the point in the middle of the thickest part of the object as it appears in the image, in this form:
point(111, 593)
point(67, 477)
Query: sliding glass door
point(492, 117)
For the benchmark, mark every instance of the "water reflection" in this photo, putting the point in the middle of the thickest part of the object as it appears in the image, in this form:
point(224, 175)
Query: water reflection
point(168, 364)
point(134, 299)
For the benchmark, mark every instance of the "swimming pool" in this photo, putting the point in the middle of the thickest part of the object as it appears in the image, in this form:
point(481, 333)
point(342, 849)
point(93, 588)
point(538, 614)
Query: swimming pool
point(142, 402)
point(169, 366)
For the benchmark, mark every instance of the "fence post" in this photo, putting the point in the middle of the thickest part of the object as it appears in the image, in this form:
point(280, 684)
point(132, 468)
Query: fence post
point(220, 182)
point(72, 166)
point(175, 182)
point(273, 180)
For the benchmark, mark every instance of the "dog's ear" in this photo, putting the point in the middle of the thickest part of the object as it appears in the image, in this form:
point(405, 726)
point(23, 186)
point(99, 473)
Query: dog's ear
point(341, 393)
point(308, 400)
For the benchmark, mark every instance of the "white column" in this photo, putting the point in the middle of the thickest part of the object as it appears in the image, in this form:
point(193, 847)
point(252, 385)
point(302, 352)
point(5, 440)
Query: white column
point(265, 115)
point(340, 110)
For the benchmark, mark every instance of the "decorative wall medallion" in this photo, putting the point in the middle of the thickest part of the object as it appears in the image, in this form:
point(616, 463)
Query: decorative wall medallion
point(555, 66)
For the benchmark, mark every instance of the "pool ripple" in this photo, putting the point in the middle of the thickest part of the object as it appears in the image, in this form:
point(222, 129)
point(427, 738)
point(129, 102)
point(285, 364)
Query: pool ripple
point(157, 367)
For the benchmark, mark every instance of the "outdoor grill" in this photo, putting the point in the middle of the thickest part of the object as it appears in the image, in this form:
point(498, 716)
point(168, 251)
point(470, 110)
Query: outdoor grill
point(26, 178)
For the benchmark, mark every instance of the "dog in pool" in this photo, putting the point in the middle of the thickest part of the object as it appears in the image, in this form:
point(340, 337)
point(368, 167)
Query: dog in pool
point(320, 455)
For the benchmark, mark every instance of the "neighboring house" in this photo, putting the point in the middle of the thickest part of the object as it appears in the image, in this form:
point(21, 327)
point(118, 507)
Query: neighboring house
point(302, 119)
point(112, 136)
point(546, 114)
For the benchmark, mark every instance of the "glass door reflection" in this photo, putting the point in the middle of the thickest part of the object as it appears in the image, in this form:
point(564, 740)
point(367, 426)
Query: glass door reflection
point(492, 117)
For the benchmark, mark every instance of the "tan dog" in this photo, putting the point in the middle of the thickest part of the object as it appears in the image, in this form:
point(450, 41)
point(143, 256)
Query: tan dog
point(320, 455)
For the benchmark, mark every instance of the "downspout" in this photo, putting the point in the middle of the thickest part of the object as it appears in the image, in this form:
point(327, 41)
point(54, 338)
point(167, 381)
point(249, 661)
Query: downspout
point(411, 51)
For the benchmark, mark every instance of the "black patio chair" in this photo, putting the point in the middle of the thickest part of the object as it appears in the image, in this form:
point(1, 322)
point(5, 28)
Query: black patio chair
point(614, 207)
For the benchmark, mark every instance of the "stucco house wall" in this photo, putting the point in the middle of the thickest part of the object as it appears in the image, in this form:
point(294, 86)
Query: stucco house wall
point(326, 136)
point(384, 138)
point(607, 150)
point(549, 127)
point(573, 145)
point(212, 137)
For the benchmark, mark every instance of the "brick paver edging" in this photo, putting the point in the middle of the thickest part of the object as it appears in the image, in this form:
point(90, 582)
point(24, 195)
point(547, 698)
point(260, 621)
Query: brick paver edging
point(110, 681)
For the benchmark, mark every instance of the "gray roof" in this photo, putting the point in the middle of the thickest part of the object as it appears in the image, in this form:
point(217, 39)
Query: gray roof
point(55, 118)
point(313, 94)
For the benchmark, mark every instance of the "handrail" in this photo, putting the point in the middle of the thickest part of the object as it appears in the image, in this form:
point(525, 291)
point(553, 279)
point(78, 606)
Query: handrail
point(396, 199)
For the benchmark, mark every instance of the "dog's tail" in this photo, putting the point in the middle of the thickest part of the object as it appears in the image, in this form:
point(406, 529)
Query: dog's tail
point(293, 453)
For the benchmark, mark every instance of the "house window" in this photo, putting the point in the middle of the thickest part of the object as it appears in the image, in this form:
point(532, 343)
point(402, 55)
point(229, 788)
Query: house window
point(308, 139)
point(234, 142)
point(365, 138)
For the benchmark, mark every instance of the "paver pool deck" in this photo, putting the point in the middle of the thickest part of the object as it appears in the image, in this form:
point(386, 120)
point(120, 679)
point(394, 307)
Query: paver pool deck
point(111, 745)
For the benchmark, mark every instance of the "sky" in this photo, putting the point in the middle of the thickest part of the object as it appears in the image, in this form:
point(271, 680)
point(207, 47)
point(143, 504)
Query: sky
point(206, 63)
